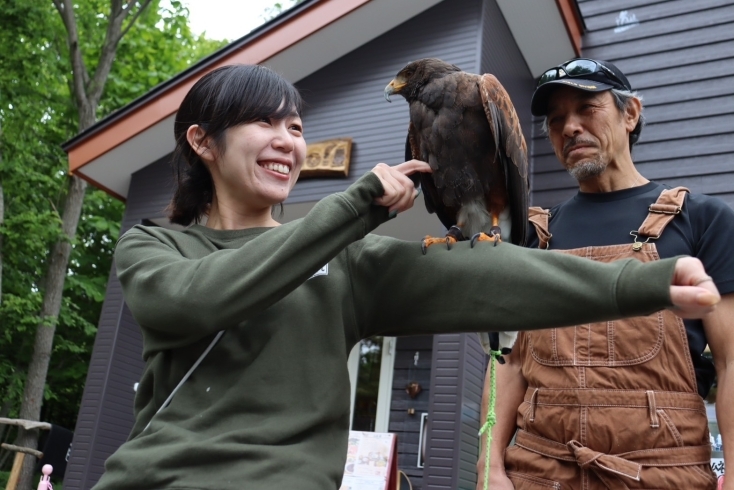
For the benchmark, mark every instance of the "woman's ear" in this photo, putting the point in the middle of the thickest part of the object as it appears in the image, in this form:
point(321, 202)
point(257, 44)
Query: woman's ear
point(200, 143)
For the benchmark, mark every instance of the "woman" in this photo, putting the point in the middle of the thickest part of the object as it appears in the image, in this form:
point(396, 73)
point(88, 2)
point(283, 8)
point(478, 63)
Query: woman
point(264, 405)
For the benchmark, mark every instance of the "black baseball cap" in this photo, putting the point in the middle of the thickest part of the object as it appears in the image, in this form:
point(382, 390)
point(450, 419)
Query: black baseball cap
point(580, 73)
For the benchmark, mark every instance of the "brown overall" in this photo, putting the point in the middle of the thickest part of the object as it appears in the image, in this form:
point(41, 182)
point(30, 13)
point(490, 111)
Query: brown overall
point(614, 405)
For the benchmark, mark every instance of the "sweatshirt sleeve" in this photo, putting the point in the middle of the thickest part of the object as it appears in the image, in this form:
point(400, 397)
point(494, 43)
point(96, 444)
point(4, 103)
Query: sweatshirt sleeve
point(183, 298)
point(399, 291)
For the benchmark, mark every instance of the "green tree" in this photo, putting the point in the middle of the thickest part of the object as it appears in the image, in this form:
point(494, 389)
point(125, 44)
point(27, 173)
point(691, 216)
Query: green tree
point(56, 236)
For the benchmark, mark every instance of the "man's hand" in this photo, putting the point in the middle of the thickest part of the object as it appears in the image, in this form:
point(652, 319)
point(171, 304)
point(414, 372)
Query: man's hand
point(399, 189)
point(693, 293)
point(497, 478)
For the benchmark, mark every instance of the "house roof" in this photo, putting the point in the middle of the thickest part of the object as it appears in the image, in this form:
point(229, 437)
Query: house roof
point(295, 44)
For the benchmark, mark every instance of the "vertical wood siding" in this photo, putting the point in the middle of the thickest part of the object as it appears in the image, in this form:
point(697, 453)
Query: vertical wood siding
point(679, 55)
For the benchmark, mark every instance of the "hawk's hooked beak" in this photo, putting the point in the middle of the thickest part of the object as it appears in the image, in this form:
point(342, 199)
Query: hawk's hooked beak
point(394, 87)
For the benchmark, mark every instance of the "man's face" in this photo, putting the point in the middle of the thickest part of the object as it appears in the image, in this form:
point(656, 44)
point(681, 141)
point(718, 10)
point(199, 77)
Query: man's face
point(587, 130)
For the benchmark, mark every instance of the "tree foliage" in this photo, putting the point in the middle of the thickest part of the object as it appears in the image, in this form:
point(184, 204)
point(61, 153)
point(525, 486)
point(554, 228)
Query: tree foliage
point(37, 114)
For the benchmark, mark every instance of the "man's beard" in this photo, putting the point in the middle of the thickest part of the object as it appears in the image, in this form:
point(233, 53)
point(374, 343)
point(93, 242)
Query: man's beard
point(585, 170)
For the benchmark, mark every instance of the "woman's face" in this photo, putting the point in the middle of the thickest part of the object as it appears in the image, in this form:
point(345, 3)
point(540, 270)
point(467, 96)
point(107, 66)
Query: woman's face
point(260, 162)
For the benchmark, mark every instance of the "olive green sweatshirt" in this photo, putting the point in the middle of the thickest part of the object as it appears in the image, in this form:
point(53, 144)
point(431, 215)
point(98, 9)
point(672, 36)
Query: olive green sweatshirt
point(268, 407)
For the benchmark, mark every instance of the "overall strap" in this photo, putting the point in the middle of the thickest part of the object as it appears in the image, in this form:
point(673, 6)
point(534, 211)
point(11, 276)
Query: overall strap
point(668, 205)
point(539, 218)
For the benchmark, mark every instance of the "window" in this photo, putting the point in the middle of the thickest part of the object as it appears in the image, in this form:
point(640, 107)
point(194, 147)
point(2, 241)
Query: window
point(371, 372)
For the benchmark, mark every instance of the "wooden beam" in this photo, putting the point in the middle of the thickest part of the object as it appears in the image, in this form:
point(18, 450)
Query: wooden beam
point(18, 449)
point(26, 424)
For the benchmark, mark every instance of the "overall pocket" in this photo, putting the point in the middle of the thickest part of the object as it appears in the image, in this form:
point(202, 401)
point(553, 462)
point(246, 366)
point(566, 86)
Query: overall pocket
point(625, 342)
point(528, 482)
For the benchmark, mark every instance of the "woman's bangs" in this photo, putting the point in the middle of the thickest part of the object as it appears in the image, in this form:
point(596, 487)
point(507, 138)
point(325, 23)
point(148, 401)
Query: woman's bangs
point(279, 101)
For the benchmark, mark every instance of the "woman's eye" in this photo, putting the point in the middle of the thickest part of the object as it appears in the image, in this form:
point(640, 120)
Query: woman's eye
point(297, 127)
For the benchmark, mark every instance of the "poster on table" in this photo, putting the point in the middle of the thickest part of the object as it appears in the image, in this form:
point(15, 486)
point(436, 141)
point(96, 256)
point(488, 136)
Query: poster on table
point(371, 461)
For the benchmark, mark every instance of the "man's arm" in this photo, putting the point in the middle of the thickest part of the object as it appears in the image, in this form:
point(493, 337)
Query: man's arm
point(511, 387)
point(719, 328)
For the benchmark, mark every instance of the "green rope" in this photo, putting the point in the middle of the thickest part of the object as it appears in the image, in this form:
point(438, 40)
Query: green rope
point(491, 415)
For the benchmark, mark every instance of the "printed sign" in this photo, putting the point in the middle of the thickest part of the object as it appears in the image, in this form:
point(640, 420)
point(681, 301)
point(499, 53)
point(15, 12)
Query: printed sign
point(717, 464)
point(371, 461)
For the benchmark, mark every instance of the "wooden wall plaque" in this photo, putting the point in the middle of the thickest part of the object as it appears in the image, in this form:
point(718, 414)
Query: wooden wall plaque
point(328, 158)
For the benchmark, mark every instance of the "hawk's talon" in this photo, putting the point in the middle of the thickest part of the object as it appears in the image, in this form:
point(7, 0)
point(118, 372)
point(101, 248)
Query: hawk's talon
point(480, 237)
point(430, 240)
point(474, 240)
point(496, 233)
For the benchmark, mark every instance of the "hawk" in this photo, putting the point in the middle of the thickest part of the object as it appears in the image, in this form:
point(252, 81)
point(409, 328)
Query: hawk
point(466, 128)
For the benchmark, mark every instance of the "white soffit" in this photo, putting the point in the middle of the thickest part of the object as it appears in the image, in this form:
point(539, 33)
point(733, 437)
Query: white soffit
point(113, 169)
point(347, 34)
point(539, 31)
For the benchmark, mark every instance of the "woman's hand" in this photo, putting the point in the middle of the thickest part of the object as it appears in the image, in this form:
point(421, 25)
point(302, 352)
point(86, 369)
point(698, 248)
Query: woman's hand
point(693, 293)
point(400, 192)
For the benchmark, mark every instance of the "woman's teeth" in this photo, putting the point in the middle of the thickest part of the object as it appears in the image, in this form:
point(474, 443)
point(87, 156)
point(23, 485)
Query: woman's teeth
point(278, 167)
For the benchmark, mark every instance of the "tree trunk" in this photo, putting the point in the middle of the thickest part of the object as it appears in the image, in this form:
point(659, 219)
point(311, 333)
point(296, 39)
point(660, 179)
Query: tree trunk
point(43, 345)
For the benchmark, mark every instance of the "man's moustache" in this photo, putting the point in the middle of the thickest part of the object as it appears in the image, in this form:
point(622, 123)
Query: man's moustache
point(576, 141)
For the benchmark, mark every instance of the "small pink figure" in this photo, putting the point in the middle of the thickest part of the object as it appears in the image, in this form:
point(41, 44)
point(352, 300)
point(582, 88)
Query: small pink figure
point(45, 483)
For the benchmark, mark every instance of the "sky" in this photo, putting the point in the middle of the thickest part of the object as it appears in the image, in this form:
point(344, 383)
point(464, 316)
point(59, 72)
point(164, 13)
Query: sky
point(228, 19)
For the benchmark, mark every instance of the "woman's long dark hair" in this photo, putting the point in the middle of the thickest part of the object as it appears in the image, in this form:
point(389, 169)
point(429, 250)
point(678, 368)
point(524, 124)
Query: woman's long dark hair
point(223, 98)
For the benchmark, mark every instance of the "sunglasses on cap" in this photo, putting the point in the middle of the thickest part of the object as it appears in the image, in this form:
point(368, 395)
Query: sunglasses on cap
point(579, 68)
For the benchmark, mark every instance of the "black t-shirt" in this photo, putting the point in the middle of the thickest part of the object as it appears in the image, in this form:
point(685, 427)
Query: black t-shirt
point(704, 229)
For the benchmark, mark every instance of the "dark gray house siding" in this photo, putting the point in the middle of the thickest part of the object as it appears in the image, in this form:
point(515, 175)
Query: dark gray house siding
point(343, 99)
point(679, 55)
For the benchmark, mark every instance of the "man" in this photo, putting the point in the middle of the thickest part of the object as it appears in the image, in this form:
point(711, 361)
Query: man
point(615, 405)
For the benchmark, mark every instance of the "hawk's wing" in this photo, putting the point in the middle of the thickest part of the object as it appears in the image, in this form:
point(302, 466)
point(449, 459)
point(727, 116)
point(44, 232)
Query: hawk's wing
point(430, 192)
point(511, 149)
